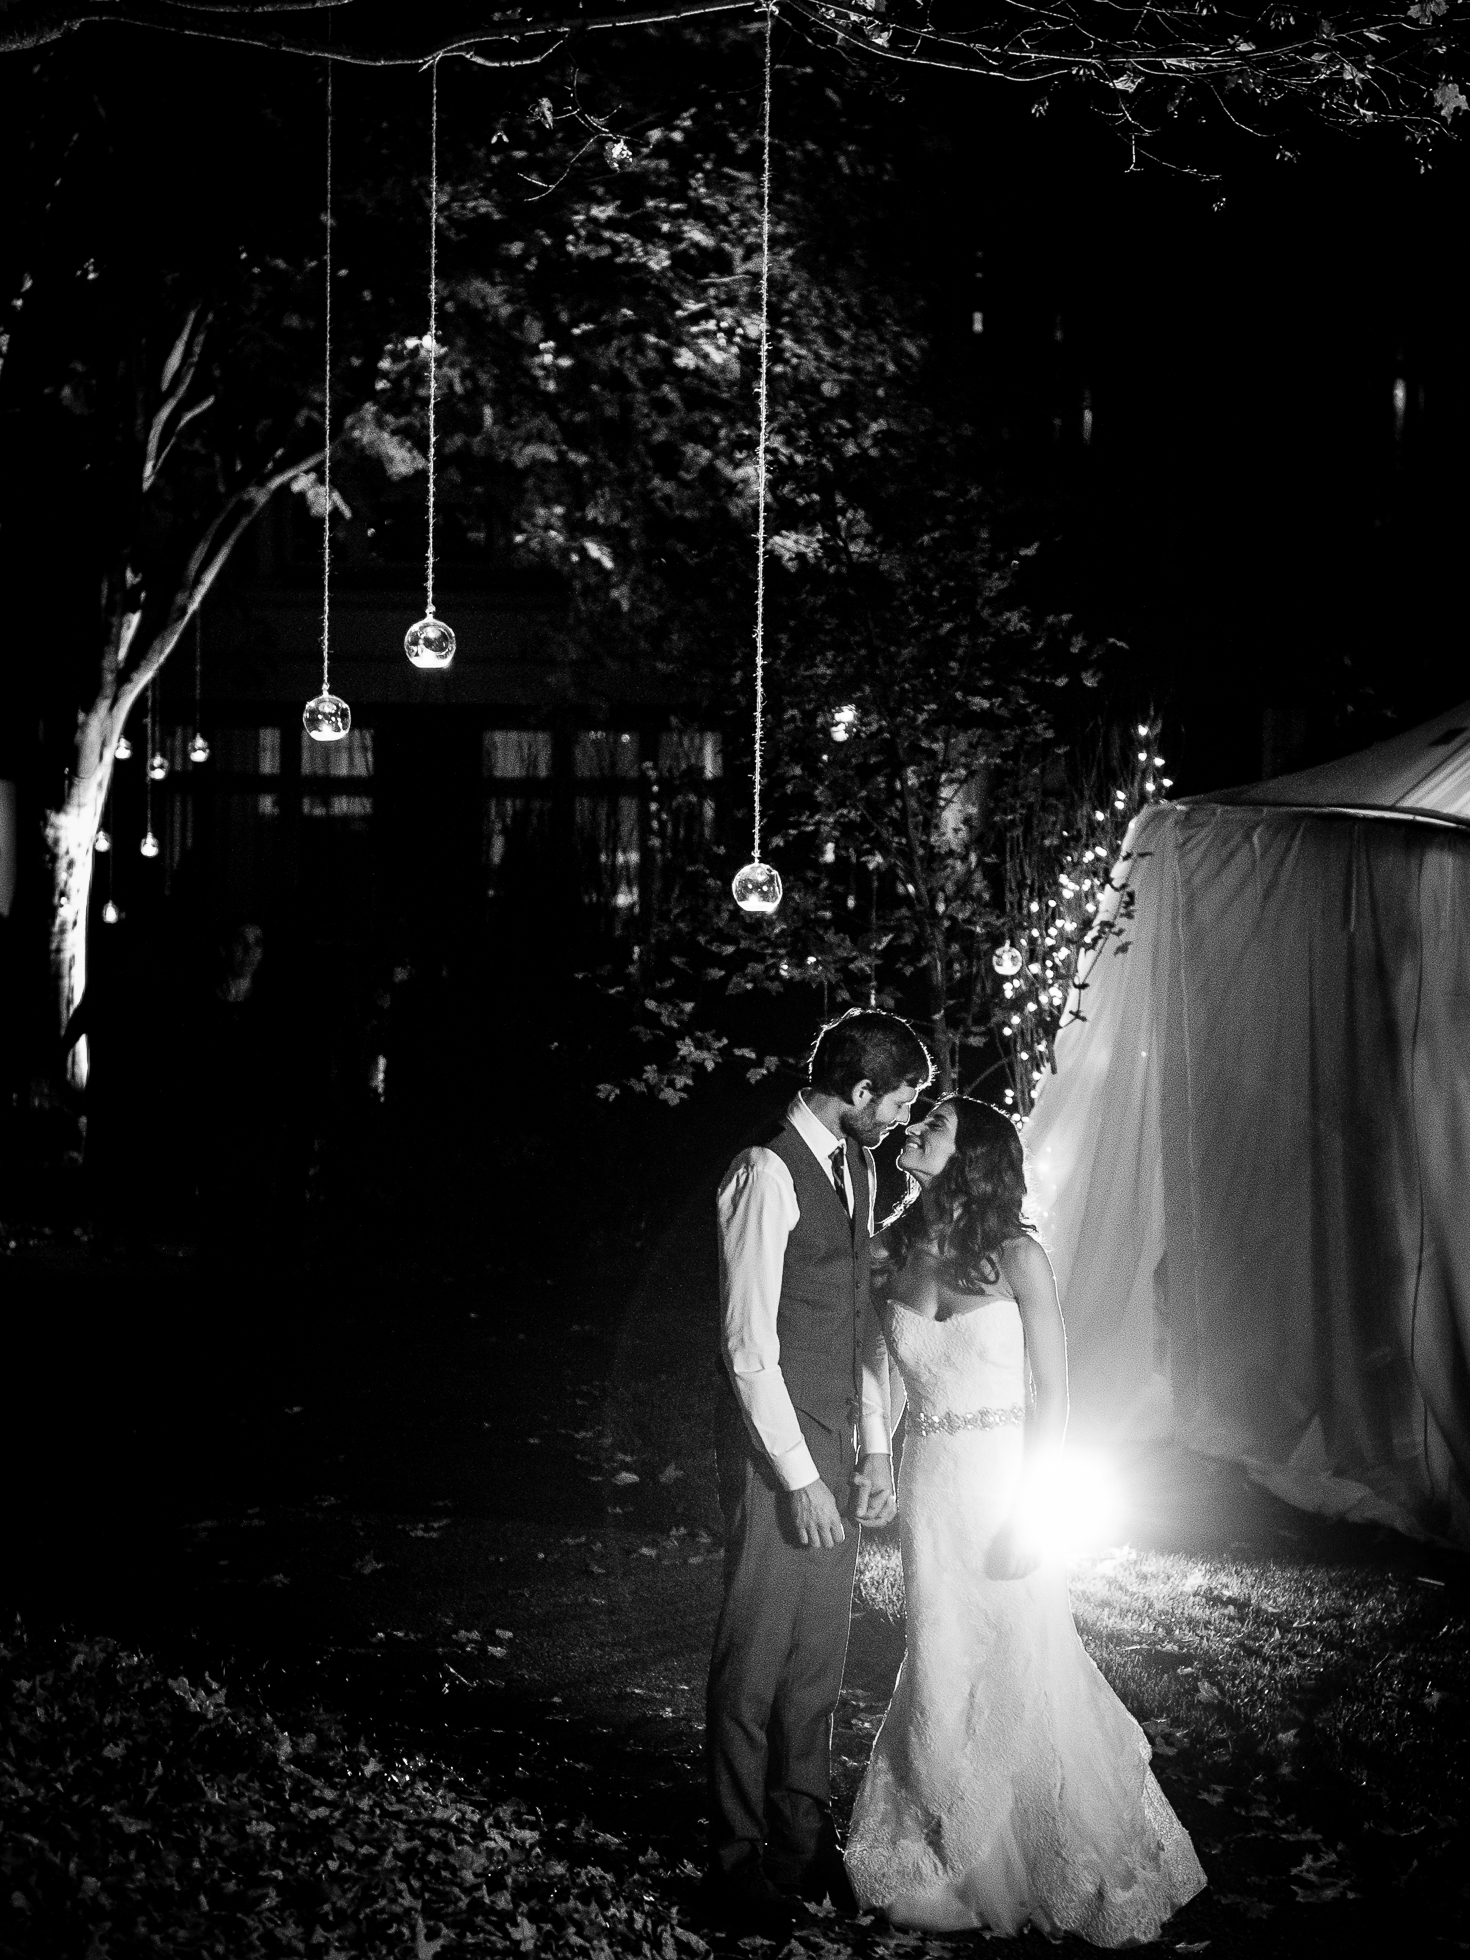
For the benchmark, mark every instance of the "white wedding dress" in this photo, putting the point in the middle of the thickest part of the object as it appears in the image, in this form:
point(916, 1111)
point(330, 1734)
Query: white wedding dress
point(1008, 1785)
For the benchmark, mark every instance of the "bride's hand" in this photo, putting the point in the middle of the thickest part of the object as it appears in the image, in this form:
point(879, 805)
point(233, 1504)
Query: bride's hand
point(1014, 1553)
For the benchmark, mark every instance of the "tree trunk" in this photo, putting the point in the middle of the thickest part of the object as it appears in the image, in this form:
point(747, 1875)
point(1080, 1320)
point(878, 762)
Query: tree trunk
point(71, 834)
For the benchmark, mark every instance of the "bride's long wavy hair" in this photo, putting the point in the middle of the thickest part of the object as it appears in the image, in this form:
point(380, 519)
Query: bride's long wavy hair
point(977, 1202)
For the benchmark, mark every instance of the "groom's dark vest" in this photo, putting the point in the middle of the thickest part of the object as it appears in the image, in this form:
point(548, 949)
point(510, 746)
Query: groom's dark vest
point(824, 1287)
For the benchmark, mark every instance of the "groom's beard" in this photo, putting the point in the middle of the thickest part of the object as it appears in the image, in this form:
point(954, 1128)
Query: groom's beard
point(863, 1127)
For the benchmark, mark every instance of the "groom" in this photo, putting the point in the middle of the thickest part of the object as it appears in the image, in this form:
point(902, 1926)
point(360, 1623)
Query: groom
point(794, 1220)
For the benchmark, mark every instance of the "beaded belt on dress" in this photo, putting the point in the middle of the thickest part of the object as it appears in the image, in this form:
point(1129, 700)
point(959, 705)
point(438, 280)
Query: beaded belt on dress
point(951, 1424)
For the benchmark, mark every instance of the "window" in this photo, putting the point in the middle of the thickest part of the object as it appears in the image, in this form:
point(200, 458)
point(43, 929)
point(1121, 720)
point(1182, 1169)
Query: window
point(516, 831)
point(688, 760)
point(605, 754)
point(350, 760)
point(251, 752)
point(516, 754)
point(691, 752)
point(608, 850)
point(237, 796)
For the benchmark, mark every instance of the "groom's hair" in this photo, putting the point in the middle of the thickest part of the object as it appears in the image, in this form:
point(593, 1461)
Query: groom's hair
point(865, 1044)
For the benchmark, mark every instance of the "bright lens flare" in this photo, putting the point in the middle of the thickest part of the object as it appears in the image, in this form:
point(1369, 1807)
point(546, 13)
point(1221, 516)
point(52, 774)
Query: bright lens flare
point(1076, 1509)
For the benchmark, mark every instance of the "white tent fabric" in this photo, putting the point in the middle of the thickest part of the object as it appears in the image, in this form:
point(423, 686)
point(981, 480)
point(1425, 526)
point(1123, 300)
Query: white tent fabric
point(1252, 1167)
point(1424, 771)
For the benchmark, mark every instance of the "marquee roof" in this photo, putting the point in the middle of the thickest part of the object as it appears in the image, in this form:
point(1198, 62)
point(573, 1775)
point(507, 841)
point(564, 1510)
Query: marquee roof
point(1424, 772)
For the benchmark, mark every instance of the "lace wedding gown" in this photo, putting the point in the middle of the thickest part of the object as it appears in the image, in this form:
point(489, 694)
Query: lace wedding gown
point(1008, 1784)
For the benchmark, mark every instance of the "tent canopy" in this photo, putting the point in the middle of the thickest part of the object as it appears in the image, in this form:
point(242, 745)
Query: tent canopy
point(1426, 770)
point(1252, 1167)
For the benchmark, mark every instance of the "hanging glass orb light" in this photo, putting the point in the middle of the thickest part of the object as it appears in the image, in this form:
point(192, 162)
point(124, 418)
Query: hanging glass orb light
point(157, 766)
point(102, 842)
point(199, 747)
point(430, 643)
point(110, 914)
point(326, 717)
point(149, 845)
point(1007, 960)
point(757, 887)
point(123, 750)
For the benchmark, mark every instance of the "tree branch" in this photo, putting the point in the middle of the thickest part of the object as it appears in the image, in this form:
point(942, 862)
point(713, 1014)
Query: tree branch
point(178, 375)
point(206, 562)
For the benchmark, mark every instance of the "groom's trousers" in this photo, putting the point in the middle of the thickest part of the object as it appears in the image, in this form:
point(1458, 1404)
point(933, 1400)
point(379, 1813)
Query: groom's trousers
point(776, 1671)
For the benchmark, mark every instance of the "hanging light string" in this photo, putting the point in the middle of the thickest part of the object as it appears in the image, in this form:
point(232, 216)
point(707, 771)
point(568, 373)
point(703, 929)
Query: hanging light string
point(763, 399)
point(198, 666)
point(327, 423)
point(148, 777)
point(430, 642)
point(433, 316)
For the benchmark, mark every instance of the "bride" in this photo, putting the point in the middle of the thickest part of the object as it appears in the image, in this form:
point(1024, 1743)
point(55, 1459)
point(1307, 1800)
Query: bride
point(1008, 1785)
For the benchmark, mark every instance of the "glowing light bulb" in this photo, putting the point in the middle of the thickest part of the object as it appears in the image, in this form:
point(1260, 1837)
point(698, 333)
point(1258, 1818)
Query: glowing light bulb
point(843, 723)
point(157, 766)
point(429, 643)
point(1007, 960)
point(124, 748)
point(103, 842)
point(326, 717)
point(149, 845)
point(757, 887)
point(199, 748)
point(110, 914)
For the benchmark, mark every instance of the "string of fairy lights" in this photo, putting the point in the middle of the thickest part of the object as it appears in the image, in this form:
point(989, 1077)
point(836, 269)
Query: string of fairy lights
point(1063, 921)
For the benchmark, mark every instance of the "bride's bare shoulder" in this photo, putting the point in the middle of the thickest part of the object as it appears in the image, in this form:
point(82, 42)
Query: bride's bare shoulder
point(1024, 1258)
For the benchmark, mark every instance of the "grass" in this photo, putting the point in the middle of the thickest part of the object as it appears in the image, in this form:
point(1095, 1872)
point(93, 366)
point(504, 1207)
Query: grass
point(469, 1525)
point(1307, 1715)
point(1299, 1669)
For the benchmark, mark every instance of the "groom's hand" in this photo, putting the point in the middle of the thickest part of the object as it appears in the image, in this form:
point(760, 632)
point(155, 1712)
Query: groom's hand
point(875, 1504)
point(815, 1515)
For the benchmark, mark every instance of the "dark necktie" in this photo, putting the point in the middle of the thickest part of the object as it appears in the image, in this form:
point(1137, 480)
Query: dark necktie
point(839, 1180)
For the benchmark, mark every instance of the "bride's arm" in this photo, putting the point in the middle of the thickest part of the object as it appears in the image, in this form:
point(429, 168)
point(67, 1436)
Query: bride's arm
point(879, 1366)
point(1028, 1272)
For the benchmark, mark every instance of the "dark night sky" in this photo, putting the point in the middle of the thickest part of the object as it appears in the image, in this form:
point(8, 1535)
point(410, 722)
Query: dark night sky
point(1252, 510)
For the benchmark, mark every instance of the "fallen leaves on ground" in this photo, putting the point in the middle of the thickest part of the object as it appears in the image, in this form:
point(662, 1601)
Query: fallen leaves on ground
point(152, 1814)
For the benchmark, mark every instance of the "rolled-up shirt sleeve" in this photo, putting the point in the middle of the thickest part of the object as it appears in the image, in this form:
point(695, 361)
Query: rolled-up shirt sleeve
point(757, 1211)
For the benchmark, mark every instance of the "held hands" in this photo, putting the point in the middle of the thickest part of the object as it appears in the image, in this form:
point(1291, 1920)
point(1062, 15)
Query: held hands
point(874, 1502)
point(814, 1510)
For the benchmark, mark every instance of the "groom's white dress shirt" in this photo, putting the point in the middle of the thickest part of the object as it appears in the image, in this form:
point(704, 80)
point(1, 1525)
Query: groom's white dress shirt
point(757, 1212)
